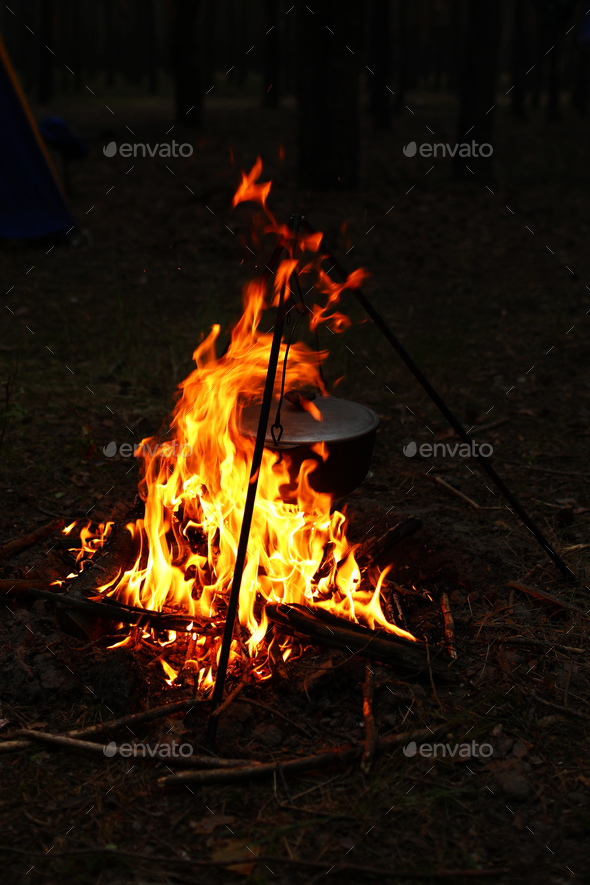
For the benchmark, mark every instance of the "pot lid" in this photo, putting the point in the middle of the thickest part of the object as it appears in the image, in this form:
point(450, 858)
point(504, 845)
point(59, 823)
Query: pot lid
point(341, 420)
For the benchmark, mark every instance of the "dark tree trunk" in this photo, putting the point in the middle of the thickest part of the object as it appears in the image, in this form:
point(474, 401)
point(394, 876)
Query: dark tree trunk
point(188, 93)
point(478, 87)
point(208, 45)
point(519, 61)
point(109, 42)
point(379, 56)
point(328, 94)
point(270, 81)
point(151, 59)
point(46, 38)
point(581, 90)
point(402, 54)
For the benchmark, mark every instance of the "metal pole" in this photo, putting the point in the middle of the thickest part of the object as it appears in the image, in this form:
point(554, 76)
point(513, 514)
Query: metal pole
point(234, 597)
point(446, 412)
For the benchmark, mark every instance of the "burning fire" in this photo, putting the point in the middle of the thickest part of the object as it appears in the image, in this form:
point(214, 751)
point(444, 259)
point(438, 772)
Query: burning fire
point(195, 482)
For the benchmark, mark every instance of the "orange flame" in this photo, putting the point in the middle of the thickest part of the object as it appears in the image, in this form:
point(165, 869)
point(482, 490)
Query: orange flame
point(195, 487)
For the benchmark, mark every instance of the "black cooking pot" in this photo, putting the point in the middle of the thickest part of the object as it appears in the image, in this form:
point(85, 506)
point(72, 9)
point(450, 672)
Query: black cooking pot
point(348, 430)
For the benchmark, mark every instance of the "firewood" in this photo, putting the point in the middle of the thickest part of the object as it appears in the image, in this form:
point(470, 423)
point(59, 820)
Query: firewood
point(69, 743)
point(375, 551)
point(333, 756)
point(111, 561)
point(10, 548)
point(326, 629)
point(18, 585)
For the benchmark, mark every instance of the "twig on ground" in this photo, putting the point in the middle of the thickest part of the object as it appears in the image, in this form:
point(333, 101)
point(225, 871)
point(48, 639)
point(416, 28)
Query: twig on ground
point(548, 597)
point(371, 731)
point(113, 724)
point(568, 711)
point(445, 605)
point(445, 485)
point(111, 750)
point(231, 696)
point(336, 755)
point(538, 643)
point(10, 548)
point(267, 859)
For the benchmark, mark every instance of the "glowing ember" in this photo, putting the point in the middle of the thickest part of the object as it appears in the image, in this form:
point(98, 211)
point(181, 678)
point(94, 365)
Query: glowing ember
point(194, 487)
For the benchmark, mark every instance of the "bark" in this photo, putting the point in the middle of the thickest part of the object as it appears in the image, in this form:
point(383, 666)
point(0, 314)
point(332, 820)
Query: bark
point(478, 88)
point(328, 94)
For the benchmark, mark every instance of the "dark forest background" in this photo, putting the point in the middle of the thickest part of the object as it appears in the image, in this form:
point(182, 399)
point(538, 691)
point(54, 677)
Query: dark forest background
point(532, 55)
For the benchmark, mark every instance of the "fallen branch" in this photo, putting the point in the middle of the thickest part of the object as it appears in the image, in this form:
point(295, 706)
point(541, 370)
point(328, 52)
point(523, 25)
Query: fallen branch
point(330, 868)
point(565, 710)
point(449, 488)
point(548, 597)
point(371, 731)
point(334, 756)
point(112, 725)
point(445, 605)
point(11, 548)
point(538, 643)
point(111, 750)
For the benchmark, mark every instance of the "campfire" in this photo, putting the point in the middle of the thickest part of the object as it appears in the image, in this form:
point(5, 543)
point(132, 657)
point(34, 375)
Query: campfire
point(300, 569)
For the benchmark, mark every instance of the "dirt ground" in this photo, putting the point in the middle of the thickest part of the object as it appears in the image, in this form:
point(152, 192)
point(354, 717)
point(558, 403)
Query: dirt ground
point(487, 287)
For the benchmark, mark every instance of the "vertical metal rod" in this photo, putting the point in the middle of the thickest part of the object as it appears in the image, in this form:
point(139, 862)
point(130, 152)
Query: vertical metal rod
point(446, 412)
point(234, 597)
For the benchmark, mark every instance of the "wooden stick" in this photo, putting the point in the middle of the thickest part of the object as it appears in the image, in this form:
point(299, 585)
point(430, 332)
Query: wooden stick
point(20, 586)
point(374, 550)
point(233, 694)
point(548, 597)
point(445, 605)
point(439, 481)
point(68, 743)
point(113, 724)
point(371, 731)
point(568, 711)
point(323, 627)
point(483, 428)
point(10, 548)
point(556, 472)
point(337, 755)
point(539, 643)
point(328, 866)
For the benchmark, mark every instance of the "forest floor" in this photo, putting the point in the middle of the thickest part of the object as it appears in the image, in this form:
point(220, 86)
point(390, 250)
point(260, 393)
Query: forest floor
point(488, 288)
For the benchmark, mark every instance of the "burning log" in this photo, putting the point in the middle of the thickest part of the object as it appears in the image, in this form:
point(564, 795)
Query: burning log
point(327, 629)
point(111, 610)
point(105, 568)
point(11, 548)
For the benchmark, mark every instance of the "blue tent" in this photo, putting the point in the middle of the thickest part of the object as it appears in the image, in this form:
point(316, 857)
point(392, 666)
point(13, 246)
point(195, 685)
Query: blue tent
point(32, 203)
